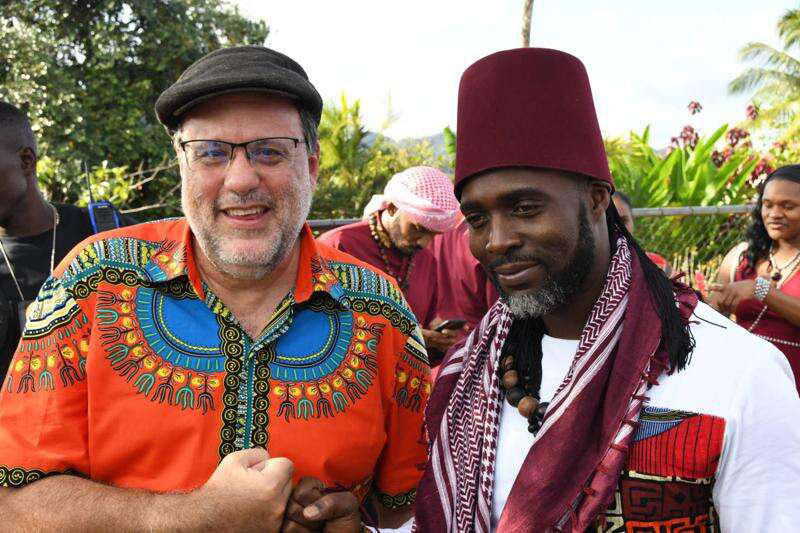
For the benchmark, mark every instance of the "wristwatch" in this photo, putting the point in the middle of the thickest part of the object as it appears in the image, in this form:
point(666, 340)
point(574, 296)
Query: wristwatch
point(762, 288)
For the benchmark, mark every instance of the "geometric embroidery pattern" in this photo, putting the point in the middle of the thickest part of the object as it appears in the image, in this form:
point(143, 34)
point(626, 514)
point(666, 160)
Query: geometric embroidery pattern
point(669, 475)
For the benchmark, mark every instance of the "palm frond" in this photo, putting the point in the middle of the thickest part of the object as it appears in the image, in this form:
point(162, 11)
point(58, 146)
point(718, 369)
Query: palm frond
point(789, 28)
point(770, 56)
point(761, 77)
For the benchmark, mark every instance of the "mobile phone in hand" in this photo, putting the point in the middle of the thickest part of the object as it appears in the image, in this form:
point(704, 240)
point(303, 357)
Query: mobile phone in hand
point(451, 323)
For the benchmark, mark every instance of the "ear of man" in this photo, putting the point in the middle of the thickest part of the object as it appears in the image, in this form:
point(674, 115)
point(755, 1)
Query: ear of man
point(28, 161)
point(599, 194)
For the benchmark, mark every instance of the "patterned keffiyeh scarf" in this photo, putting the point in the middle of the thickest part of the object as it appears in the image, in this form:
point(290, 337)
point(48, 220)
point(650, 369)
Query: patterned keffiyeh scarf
point(572, 467)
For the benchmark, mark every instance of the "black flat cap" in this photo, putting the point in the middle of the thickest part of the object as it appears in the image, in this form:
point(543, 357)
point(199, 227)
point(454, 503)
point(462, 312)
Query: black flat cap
point(233, 70)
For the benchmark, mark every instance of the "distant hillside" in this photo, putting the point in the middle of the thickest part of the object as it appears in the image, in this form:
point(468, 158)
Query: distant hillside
point(436, 141)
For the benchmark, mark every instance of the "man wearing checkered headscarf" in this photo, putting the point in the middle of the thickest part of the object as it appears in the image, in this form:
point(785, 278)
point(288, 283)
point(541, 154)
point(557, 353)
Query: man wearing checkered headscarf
point(417, 204)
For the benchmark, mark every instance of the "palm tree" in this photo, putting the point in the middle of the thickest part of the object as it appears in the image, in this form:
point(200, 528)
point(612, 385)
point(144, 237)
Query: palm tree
point(777, 80)
point(527, 10)
point(343, 142)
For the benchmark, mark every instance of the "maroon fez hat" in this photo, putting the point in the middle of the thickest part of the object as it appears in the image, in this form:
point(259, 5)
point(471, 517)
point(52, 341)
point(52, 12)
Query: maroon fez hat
point(529, 107)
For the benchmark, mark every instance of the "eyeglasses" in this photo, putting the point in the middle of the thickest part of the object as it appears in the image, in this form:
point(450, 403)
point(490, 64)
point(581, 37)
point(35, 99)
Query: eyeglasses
point(262, 154)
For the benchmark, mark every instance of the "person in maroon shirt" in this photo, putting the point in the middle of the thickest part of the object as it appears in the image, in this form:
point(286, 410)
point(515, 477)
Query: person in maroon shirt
point(398, 226)
point(463, 289)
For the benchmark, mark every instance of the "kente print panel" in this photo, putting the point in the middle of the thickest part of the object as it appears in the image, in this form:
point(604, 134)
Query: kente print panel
point(668, 479)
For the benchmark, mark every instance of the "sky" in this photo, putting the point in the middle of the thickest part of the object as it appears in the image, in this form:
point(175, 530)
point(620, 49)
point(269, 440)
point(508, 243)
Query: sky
point(646, 60)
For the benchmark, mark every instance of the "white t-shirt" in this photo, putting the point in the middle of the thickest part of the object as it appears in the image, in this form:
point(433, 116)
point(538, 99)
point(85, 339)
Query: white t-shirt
point(737, 383)
point(514, 439)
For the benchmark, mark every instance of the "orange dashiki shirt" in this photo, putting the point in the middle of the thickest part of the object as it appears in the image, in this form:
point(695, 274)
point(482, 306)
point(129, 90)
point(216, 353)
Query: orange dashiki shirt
point(132, 372)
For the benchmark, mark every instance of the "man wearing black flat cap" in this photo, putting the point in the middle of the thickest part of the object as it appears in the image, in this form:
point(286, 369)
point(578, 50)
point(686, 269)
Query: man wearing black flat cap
point(222, 370)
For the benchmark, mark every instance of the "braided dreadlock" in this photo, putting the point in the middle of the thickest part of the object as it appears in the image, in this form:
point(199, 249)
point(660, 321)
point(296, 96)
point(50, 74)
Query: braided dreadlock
point(524, 340)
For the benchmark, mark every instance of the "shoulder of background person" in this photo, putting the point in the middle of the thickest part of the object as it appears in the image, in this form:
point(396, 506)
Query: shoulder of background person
point(128, 220)
point(74, 221)
point(731, 262)
point(336, 237)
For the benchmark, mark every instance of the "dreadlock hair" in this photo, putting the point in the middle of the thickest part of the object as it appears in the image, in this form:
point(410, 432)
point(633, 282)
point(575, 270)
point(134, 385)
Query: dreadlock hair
point(675, 333)
point(524, 340)
point(758, 240)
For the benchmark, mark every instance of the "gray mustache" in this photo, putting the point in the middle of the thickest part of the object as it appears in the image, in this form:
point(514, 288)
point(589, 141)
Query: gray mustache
point(233, 200)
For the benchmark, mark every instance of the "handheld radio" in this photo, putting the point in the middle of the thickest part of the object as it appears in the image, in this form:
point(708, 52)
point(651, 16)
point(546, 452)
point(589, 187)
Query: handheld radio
point(101, 212)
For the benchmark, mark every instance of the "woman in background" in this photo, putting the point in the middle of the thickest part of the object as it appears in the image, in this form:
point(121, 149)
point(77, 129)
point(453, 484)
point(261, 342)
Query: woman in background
point(758, 279)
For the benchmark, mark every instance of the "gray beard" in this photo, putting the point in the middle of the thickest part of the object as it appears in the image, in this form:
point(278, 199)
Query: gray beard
point(536, 305)
point(297, 205)
point(560, 286)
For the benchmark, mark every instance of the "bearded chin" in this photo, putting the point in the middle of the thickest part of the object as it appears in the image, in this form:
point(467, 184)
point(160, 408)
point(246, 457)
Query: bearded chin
point(537, 304)
point(559, 287)
point(269, 248)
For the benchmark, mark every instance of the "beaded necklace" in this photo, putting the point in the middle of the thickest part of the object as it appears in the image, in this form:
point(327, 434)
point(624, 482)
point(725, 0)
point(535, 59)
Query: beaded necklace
point(779, 280)
point(381, 237)
point(772, 263)
point(522, 379)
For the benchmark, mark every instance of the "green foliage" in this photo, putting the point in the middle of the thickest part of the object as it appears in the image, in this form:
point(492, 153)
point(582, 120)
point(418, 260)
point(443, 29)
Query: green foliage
point(119, 185)
point(356, 164)
point(633, 164)
point(776, 80)
point(784, 153)
point(89, 73)
point(450, 145)
point(343, 143)
point(684, 176)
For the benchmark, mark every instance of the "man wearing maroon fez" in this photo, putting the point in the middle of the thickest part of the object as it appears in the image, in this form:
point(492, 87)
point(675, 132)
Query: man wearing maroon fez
point(596, 394)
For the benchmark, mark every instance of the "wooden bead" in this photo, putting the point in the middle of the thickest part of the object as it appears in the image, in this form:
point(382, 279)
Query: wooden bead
point(510, 379)
point(527, 405)
point(507, 363)
point(514, 395)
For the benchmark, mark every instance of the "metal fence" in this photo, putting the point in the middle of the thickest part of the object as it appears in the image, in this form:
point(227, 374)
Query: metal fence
point(693, 239)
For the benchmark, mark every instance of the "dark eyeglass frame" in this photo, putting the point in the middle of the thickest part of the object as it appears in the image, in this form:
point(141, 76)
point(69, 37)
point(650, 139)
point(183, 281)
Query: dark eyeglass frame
point(243, 145)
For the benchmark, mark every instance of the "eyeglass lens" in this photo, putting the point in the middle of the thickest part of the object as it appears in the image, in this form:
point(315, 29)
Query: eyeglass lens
point(261, 152)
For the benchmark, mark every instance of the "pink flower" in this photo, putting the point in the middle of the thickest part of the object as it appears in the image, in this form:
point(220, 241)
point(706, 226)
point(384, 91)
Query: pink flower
point(762, 168)
point(695, 107)
point(689, 136)
point(735, 135)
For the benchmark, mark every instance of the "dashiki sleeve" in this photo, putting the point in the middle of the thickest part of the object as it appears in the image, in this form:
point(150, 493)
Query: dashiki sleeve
point(404, 455)
point(43, 402)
